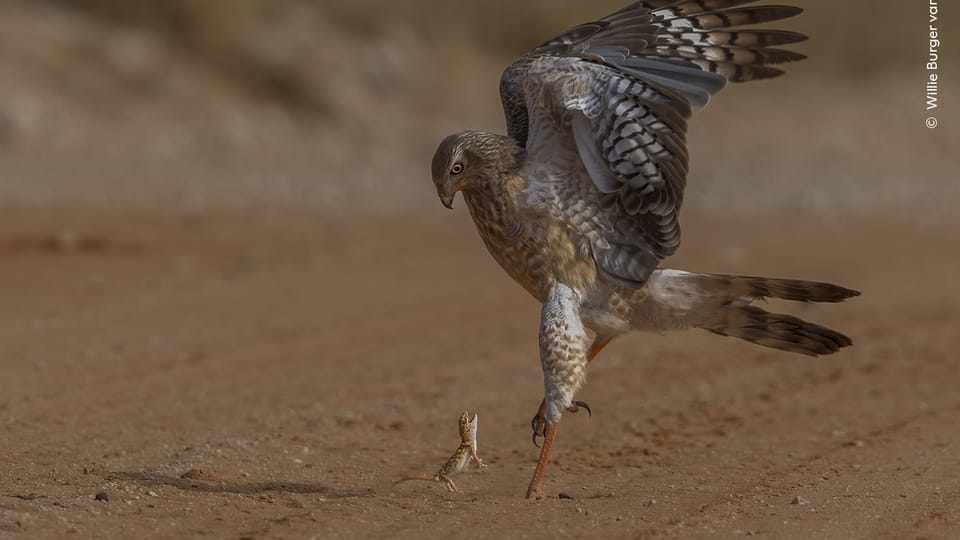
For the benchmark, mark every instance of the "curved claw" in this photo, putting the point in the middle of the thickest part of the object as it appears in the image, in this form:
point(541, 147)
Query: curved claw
point(539, 426)
point(536, 424)
point(576, 407)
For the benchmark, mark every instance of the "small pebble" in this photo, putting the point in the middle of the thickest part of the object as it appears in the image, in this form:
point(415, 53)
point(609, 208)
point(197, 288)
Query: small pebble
point(799, 500)
point(564, 495)
point(102, 496)
point(193, 474)
point(152, 493)
point(649, 503)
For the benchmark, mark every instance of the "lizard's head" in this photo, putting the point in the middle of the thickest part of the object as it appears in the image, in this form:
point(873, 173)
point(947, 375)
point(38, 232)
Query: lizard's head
point(468, 427)
point(468, 157)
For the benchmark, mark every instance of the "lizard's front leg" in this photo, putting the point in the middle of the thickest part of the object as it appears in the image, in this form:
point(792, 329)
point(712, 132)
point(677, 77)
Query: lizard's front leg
point(468, 437)
point(473, 454)
point(563, 357)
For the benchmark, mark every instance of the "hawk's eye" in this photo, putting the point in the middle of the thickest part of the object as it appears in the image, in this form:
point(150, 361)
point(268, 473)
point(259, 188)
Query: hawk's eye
point(457, 168)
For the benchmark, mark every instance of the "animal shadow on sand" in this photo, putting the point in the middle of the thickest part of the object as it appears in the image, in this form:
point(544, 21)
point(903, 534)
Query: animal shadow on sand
point(189, 483)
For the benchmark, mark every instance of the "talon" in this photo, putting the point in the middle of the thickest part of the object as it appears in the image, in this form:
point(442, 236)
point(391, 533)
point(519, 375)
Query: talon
point(585, 406)
point(576, 407)
point(537, 425)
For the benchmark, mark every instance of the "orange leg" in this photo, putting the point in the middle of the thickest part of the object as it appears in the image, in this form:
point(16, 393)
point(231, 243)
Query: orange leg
point(549, 431)
point(597, 346)
point(535, 491)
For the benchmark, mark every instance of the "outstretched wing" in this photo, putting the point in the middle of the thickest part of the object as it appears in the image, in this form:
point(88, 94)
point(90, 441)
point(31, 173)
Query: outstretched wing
point(622, 88)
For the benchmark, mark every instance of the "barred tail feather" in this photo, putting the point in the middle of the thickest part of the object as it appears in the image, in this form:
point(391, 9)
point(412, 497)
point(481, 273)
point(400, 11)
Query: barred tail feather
point(673, 299)
point(723, 289)
point(775, 330)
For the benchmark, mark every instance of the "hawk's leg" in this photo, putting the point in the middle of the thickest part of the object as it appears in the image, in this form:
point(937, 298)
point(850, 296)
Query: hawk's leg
point(563, 356)
point(537, 424)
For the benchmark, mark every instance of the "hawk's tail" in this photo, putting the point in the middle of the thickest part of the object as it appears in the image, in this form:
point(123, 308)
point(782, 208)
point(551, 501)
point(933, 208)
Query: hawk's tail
point(776, 330)
point(721, 304)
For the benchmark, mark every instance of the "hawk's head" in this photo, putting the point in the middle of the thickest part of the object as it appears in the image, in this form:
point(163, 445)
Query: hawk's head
point(466, 158)
point(449, 167)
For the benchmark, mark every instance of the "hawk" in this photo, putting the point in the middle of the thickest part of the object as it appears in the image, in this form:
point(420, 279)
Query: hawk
point(579, 202)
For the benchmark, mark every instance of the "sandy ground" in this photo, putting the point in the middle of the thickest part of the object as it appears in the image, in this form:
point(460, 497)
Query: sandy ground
point(270, 374)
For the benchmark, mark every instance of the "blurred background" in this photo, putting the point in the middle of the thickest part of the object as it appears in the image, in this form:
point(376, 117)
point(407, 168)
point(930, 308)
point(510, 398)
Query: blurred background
point(338, 104)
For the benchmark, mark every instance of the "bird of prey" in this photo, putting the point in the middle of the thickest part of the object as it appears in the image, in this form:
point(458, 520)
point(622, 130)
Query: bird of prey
point(579, 202)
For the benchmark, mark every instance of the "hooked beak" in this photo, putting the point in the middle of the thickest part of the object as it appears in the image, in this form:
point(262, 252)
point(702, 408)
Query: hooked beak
point(448, 190)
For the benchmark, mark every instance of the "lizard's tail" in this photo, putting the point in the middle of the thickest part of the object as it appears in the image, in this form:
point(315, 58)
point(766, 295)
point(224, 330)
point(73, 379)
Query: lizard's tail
point(424, 477)
point(721, 304)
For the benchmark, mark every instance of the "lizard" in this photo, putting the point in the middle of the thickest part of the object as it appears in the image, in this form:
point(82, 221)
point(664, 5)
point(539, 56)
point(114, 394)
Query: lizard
point(459, 460)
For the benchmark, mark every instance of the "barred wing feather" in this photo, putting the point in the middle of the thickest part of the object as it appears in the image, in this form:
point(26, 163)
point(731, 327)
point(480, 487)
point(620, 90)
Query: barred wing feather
point(623, 88)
